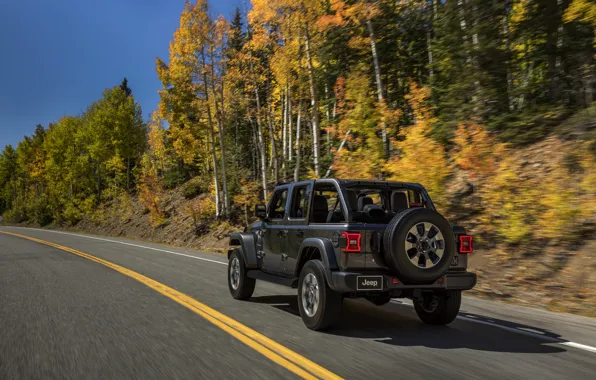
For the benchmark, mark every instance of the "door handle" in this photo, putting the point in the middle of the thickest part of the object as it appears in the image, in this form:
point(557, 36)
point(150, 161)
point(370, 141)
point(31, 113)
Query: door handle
point(300, 233)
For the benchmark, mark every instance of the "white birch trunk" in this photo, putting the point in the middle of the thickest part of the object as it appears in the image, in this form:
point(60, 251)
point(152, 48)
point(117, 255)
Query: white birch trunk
point(298, 124)
point(373, 48)
point(314, 103)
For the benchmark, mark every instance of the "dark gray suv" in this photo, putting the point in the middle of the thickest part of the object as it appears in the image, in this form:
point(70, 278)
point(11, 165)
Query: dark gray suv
point(333, 239)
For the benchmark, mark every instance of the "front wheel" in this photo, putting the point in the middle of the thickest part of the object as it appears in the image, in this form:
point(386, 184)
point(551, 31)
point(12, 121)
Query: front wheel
point(319, 305)
point(438, 310)
point(241, 286)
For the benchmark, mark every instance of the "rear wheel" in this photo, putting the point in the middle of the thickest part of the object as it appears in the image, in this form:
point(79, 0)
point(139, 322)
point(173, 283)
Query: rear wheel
point(418, 245)
point(319, 305)
point(241, 286)
point(438, 310)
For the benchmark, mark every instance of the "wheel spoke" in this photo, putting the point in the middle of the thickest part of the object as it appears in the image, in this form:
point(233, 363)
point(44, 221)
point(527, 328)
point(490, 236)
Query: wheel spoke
point(412, 252)
point(432, 232)
point(433, 257)
point(411, 238)
point(420, 229)
point(422, 261)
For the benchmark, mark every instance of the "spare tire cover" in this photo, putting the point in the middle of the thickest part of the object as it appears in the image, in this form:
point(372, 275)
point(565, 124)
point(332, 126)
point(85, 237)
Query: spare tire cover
point(418, 245)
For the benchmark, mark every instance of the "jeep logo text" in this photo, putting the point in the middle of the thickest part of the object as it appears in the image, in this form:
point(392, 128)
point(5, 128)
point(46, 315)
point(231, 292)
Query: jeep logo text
point(370, 283)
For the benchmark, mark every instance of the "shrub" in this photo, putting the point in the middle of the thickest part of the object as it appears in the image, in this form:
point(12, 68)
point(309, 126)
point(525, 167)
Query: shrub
point(15, 215)
point(510, 206)
point(192, 188)
point(42, 213)
point(200, 210)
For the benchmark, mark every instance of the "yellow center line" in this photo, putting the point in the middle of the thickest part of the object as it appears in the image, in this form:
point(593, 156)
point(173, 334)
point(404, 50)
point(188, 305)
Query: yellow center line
point(274, 351)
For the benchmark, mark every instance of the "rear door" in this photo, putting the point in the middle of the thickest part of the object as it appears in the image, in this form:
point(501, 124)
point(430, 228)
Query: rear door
point(297, 223)
point(274, 238)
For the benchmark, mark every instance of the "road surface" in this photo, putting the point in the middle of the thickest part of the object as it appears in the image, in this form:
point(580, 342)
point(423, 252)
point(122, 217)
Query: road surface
point(162, 312)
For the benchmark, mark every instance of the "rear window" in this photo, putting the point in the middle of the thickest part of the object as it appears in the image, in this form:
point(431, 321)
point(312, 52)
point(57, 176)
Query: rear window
point(390, 200)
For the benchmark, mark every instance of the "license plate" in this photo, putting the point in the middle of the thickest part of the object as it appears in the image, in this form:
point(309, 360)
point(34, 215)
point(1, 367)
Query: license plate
point(455, 261)
point(369, 283)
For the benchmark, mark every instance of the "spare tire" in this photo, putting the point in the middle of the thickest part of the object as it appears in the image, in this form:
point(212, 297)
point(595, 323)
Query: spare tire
point(418, 245)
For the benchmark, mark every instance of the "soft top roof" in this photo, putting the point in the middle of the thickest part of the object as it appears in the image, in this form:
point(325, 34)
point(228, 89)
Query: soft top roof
point(359, 183)
point(393, 184)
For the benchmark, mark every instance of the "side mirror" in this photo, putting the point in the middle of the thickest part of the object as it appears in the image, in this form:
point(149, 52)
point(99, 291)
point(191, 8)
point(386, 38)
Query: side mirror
point(261, 211)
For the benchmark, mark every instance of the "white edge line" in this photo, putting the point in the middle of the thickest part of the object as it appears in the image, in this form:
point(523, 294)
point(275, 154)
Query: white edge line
point(124, 243)
point(517, 331)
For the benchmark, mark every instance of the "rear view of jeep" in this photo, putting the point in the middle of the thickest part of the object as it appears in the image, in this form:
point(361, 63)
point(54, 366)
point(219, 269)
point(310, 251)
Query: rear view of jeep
point(335, 239)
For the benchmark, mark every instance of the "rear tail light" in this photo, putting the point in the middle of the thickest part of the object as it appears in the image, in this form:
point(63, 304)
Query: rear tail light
point(352, 241)
point(465, 244)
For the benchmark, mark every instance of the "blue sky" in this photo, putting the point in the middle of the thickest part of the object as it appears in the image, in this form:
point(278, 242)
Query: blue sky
point(56, 57)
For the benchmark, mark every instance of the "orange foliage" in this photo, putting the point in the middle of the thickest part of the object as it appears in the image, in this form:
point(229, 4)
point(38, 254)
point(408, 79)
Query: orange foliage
point(476, 150)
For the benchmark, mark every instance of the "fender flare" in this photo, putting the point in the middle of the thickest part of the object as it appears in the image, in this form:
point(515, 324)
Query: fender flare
point(325, 246)
point(249, 251)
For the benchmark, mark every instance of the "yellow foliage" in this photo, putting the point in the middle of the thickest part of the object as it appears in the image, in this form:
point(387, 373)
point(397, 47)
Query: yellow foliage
point(476, 151)
point(421, 159)
point(249, 194)
point(248, 197)
point(582, 10)
point(511, 204)
point(588, 184)
point(361, 163)
point(200, 209)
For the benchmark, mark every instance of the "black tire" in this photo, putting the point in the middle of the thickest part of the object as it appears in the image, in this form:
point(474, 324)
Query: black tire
point(394, 249)
point(329, 301)
point(246, 285)
point(443, 313)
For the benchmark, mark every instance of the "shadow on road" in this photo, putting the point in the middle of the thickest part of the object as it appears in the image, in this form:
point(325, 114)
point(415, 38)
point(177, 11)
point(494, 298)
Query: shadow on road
point(398, 325)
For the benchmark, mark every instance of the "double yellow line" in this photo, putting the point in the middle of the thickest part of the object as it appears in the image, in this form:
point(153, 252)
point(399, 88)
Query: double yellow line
point(274, 351)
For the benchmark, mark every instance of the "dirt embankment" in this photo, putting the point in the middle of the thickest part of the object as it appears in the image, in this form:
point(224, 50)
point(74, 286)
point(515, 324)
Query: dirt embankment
point(553, 274)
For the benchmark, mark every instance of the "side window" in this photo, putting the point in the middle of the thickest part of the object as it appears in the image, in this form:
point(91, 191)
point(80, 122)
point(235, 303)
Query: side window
point(415, 199)
point(300, 201)
point(277, 207)
point(326, 206)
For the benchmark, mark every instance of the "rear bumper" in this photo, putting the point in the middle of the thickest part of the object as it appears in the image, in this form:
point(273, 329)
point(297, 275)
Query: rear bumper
point(352, 282)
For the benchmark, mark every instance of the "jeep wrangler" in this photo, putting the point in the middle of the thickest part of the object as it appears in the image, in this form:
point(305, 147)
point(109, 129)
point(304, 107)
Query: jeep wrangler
point(334, 239)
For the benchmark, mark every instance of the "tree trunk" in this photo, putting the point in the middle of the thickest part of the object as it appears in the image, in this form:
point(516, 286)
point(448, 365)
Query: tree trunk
point(284, 130)
point(212, 135)
point(274, 155)
point(314, 103)
point(431, 71)
point(261, 146)
point(289, 105)
point(298, 123)
point(338, 150)
point(373, 48)
point(128, 174)
point(506, 34)
point(220, 124)
point(261, 140)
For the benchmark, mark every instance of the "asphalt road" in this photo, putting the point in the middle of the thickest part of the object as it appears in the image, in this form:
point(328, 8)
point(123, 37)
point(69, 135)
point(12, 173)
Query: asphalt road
point(64, 316)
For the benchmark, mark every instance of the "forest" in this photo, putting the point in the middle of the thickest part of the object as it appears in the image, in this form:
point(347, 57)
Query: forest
point(441, 92)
